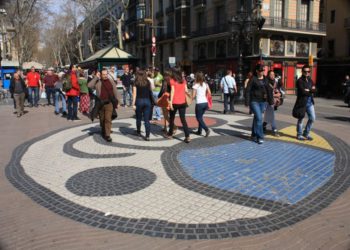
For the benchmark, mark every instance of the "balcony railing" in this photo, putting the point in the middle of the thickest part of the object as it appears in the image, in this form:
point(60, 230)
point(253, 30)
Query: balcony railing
point(272, 22)
point(199, 3)
point(347, 23)
point(180, 3)
point(169, 9)
point(211, 30)
point(159, 14)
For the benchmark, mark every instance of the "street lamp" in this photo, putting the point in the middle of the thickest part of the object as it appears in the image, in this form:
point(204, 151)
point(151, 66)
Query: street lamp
point(244, 24)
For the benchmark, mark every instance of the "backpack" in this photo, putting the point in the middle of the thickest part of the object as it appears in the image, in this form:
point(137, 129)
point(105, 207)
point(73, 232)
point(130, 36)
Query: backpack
point(67, 84)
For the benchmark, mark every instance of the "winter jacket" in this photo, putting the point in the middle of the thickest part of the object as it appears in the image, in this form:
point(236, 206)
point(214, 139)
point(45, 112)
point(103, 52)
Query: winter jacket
point(302, 96)
point(257, 92)
point(75, 90)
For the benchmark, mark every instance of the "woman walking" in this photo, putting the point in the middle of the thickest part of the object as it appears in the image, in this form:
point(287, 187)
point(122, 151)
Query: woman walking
point(178, 102)
point(200, 91)
point(269, 117)
point(142, 102)
point(257, 96)
point(84, 94)
point(18, 90)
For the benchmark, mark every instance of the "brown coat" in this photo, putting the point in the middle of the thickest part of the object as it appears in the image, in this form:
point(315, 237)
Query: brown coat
point(96, 83)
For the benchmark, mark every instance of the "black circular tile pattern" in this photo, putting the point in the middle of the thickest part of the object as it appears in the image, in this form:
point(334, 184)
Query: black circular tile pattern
point(110, 181)
point(282, 216)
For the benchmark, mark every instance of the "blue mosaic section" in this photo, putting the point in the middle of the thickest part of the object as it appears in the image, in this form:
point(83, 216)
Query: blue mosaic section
point(274, 171)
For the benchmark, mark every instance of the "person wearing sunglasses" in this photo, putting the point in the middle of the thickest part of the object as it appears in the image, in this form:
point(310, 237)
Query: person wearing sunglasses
point(305, 104)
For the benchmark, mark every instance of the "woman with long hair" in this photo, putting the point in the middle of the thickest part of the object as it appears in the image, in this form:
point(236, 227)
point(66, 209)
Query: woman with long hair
point(142, 102)
point(178, 102)
point(200, 91)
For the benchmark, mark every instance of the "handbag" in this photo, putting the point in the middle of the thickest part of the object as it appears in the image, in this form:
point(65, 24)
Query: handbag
point(188, 98)
point(163, 101)
point(209, 98)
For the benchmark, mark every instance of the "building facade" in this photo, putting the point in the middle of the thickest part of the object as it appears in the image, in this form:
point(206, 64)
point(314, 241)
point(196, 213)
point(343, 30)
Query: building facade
point(198, 34)
point(335, 61)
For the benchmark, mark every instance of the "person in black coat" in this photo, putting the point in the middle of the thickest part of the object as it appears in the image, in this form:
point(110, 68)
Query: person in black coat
point(305, 104)
point(18, 90)
point(346, 85)
point(257, 96)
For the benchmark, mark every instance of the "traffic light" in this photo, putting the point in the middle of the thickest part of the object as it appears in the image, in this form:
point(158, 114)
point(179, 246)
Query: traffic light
point(311, 60)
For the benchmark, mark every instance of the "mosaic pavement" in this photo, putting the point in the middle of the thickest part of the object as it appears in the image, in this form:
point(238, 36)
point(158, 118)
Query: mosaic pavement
point(218, 187)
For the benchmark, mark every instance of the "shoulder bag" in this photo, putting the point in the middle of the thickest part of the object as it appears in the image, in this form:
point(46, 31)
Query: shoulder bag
point(231, 91)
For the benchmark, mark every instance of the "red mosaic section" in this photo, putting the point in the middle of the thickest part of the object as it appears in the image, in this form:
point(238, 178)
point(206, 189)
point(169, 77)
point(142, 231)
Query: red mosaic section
point(192, 122)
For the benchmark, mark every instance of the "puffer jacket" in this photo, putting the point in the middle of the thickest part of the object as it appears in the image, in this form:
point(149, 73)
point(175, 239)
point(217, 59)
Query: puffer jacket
point(75, 90)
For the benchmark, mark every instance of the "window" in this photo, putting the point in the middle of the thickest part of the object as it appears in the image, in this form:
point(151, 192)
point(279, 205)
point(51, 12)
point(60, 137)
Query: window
point(220, 15)
point(333, 16)
point(279, 9)
point(200, 21)
point(277, 46)
point(304, 10)
point(331, 48)
point(221, 48)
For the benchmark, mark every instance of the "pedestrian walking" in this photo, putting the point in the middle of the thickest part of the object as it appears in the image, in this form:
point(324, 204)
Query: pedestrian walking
point(158, 79)
point(257, 96)
point(346, 86)
point(33, 83)
point(269, 116)
point(200, 92)
point(72, 93)
point(178, 102)
point(18, 90)
point(108, 99)
point(305, 104)
point(49, 81)
point(127, 86)
point(60, 96)
point(142, 102)
point(229, 88)
point(84, 94)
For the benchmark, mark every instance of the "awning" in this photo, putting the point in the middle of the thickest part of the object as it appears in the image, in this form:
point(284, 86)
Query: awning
point(7, 64)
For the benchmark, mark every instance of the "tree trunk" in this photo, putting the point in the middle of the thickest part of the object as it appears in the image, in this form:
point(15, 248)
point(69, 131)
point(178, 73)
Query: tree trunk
point(120, 35)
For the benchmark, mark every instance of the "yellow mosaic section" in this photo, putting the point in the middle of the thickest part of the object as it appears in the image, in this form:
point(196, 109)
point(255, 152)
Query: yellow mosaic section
point(289, 134)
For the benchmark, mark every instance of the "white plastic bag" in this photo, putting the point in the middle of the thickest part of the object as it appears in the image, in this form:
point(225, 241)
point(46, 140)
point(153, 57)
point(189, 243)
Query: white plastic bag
point(43, 95)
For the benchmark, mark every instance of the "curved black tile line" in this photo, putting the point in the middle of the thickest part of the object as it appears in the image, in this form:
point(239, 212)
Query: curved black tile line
point(284, 217)
point(110, 181)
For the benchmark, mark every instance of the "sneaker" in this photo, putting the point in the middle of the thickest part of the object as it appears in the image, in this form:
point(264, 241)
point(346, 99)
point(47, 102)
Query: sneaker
point(108, 138)
point(138, 133)
point(309, 138)
point(147, 138)
point(197, 133)
point(76, 119)
point(57, 113)
point(300, 138)
point(275, 133)
point(260, 141)
point(253, 138)
point(64, 114)
point(207, 133)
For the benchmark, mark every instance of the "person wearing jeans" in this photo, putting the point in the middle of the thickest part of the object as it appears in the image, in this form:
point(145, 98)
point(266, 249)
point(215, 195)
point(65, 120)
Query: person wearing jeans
point(158, 78)
point(257, 96)
point(142, 102)
point(33, 96)
point(127, 86)
point(59, 95)
point(304, 104)
point(200, 91)
point(228, 82)
point(72, 94)
point(33, 82)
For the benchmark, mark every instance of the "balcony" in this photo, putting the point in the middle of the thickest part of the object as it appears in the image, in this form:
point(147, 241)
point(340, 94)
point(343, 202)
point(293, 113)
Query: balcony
point(292, 24)
point(199, 3)
point(169, 9)
point(159, 14)
point(221, 28)
point(347, 23)
point(180, 3)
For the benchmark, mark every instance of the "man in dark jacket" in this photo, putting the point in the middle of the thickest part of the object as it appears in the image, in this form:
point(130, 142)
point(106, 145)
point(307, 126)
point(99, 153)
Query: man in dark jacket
point(18, 90)
point(305, 104)
point(346, 85)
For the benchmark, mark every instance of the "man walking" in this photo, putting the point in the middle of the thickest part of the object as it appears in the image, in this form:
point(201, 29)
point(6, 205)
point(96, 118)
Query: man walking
point(127, 86)
point(33, 83)
point(109, 97)
point(305, 104)
point(229, 87)
point(49, 84)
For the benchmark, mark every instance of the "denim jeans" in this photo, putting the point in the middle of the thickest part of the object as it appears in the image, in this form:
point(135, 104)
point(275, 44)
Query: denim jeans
point(50, 92)
point(157, 110)
point(258, 109)
point(227, 102)
point(58, 95)
point(127, 91)
point(200, 110)
point(33, 91)
point(143, 107)
point(182, 113)
point(310, 110)
point(72, 103)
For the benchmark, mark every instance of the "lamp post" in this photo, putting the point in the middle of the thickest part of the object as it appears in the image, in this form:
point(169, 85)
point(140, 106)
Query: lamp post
point(244, 24)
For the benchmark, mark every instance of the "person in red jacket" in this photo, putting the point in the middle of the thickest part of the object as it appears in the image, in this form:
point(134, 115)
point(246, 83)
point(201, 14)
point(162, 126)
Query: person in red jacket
point(33, 83)
point(73, 94)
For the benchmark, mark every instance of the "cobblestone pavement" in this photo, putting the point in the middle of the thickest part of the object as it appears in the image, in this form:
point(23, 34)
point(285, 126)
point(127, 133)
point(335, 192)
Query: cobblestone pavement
point(134, 194)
